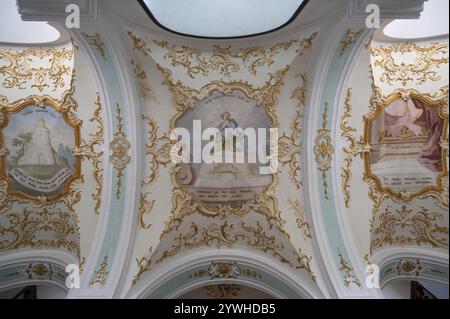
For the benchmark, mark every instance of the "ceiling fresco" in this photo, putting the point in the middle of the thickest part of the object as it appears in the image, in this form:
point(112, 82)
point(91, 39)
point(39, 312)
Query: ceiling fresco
point(113, 157)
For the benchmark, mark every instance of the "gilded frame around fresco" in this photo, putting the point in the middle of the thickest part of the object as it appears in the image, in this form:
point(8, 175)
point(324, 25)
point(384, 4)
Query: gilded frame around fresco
point(184, 98)
point(440, 189)
point(66, 106)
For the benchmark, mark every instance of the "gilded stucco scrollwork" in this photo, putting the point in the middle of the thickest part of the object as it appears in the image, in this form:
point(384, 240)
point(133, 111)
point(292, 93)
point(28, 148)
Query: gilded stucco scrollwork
point(407, 267)
point(158, 148)
point(145, 207)
point(422, 62)
point(289, 146)
point(408, 226)
point(90, 150)
point(145, 90)
point(225, 270)
point(194, 63)
point(96, 41)
point(350, 38)
point(224, 234)
point(100, 274)
point(143, 266)
point(323, 150)
point(35, 68)
point(302, 224)
point(119, 147)
point(347, 271)
point(39, 271)
point(139, 44)
point(356, 147)
point(226, 60)
point(27, 225)
point(304, 262)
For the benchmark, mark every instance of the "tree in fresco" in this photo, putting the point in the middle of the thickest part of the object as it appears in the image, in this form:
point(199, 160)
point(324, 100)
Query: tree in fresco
point(19, 142)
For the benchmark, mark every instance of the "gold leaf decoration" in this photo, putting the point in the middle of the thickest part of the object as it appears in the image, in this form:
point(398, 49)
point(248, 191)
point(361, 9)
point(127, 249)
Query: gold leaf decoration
point(139, 44)
point(423, 65)
point(27, 225)
point(347, 270)
point(99, 276)
point(407, 267)
point(119, 147)
point(145, 90)
point(323, 150)
point(88, 150)
point(143, 266)
point(355, 147)
point(304, 262)
point(39, 271)
point(35, 68)
point(226, 60)
point(302, 224)
point(96, 42)
point(158, 148)
point(145, 207)
point(350, 39)
point(219, 235)
point(406, 226)
point(289, 146)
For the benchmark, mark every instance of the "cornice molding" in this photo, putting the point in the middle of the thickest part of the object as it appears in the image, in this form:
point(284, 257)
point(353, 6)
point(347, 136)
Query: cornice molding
point(55, 10)
point(399, 9)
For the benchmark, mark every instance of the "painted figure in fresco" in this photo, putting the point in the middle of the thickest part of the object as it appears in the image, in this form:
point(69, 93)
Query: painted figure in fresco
point(227, 123)
point(412, 118)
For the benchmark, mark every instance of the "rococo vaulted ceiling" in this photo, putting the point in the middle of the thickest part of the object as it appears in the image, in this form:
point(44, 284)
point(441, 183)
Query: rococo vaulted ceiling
point(86, 176)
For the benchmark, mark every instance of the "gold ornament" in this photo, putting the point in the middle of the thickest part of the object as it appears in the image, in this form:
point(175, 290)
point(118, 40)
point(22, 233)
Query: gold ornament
point(139, 44)
point(35, 68)
point(99, 276)
point(426, 59)
point(119, 147)
point(350, 39)
point(323, 150)
point(145, 90)
point(349, 276)
point(88, 150)
point(96, 42)
point(145, 207)
point(418, 228)
point(226, 60)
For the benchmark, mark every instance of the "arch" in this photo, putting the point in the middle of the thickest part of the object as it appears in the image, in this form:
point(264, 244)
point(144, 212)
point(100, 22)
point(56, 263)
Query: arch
point(191, 270)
